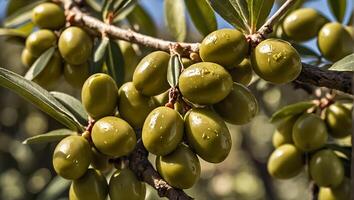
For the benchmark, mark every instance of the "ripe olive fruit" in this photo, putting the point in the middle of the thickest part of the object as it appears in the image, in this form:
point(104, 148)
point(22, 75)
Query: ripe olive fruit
point(181, 168)
point(284, 132)
point(113, 136)
point(242, 73)
point(205, 83)
point(240, 99)
point(162, 131)
point(226, 47)
point(150, 76)
point(38, 42)
point(309, 132)
point(100, 161)
point(339, 120)
point(99, 95)
point(285, 162)
point(27, 58)
point(49, 16)
point(131, 59)
point(208, 135)
point(71, 157)
point(125, 185)
point(91, 186)
point(326, 169)
point(276, 61)
point(334, 41)
point(51, 73)
point(341, 192)
point(133, 106)
point(303, 24)
point(75, 45)
point(76, 75)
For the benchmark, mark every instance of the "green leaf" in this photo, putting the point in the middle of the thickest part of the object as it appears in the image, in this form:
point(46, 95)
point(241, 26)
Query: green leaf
point(344, 64)
point(338, 8)
point(52, 136)
point(124, 9)
point(9, 32)
point(305, 51)
point(39, 97)
point(101, 49)
point(293, 109)
point(95, 5)
point(258, 12)
point(346, 150)
point(115, 62)
point(175, 19)
point(174, 70)
point(40, 64)
point(202, 15)
point(106, 8)
point(141, 21)
point(55, 188)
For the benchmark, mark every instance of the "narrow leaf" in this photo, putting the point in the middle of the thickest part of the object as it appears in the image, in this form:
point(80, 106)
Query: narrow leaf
point(141, 21)
point(13, 33)
point(52, 136)
point(96, 6)
point(293, 109)
point(305, 51)
point(40, 64)
point(175, 19)
point(346, 150)
point(101, 49)
point(345, 64)
point(174, 70)
point(338, 8)
point(122, 12)
point(258, 12)
point(55, 188)
point(115, 62)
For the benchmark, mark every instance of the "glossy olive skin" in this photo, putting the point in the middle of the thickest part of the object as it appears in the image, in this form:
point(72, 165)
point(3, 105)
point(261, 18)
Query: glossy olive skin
point(76, 75)
point(91, 186)
point(309, 132)
point(303, 24)
point(241, 99)
point(276, 61)
point(187, 62)
point(284, 132)
point(75, 45)
point(125, 185)
point(113, 136)
point(131, 59)
point(285, 162)
point(51, 74)
point(181, 168)
point(48, 16)
point(338, 120)
point(71, 157)
point(27, 58)
point(334, 42)
point(208, 135)
point(242, 73)
point(100, 161)
point(162, 131)
point(326, 169)
point(99, 95)
point(38, 42)
point(133, 106)
point(341, 192)
point(150, 76)
point(205, 83)
point(226, 47)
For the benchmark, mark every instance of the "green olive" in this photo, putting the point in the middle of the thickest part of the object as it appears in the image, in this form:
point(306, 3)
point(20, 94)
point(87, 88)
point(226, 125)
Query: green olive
point(326, 169)
point(339, 120)
point(150, 76)
point(341, 192)
point(51, 73)
point(71, 157)
point(113, 136)
point(276, 61)
point(208, 135)
point(99, 95)
point(131, 59)
point(161, 99)
point(49, 16)
point(162, 131)
point(187, 62)
point(226, 47)
point(75, 45)
point(133, 106)
point(181, 168)
point(284, 132)
point(285, 162)
point(125, 185)
point(100, 161)
point(91, 186)
point(38, 42)
point(76, 75)
point(242, 73)
point(27, 58)
point(309, 132)
point(240, 99)
point(205, 83)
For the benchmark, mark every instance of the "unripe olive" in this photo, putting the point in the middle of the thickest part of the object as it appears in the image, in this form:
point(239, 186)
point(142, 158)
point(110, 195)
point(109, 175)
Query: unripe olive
point(38, 42)
point(49, 16)
point(51, 73)
point(27, 58)
point(100, 161)
point(187, 62)
point(71, 157)
point(326, 169)
point(99, 95)
point(241, 99)
point(226, 47)
point(242, 73)
point(181, 168)
point(284, 132)
point(205, 83)
point(150, 76)
point(341, 192)
point(285, 162)
point(208, 135)
point(91, 186)
point(76, 75)
point(162, 131)
point(276, 61)
point(339, 120)
point(131, 59)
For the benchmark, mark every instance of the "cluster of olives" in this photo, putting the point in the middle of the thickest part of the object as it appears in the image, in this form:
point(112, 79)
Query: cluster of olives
point(307, 134)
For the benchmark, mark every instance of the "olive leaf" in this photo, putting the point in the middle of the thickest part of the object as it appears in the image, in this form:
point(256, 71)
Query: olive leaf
point(258, 12)
point(141, 21)
point(175, 19)
point(40, 64)
point(98, 58)
point(123, 9)
point(174, 70)
point(293, 109)
point(344, 64)
point(52, 136)
point(346, 150)
point(54, 189)
point(338, 8)
point(95, 5)
point(305, 51)
point(115, 62)
point(9, 32)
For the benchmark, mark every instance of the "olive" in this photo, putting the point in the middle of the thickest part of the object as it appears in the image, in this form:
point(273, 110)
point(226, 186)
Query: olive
point(276, 61)
point(208, 135)
point(341, 192)
point(38, 42)
point(150, 76)
point(285, 162)
point(113, 136)
point(75, 45)
point(49, 16)
point(27, 58)
point(130, 59)
point(205, 83)
point(100, 161)
point(226, 47)
point(339, 120)
point(71, 157)
point(76, 75)
point(350, 30)
point(125, 185)
point(161, 99)
point(181, 168)
point(326, 169)
point(303, 24)
point(51, 73)
point(91, 186)
point(309, 132)
point(99, 95)
point(334, 41)
point(242, 73)
point(187, 62)
point(284, 132)
point(162, 131)
point(72, 195)
point(133, 106)
point(241, 100)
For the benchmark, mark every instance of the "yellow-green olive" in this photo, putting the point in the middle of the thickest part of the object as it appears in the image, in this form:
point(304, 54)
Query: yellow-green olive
point(100, 161)
point(38, 42)
point(76, 75)
point(131, 59)
point(27, 58)
point(51, 74)
point(187, 62)
point(242, 73)
point(341, 192)
point(49, 16)
point(91, 186)
point(284, 132)
point(339, 120)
